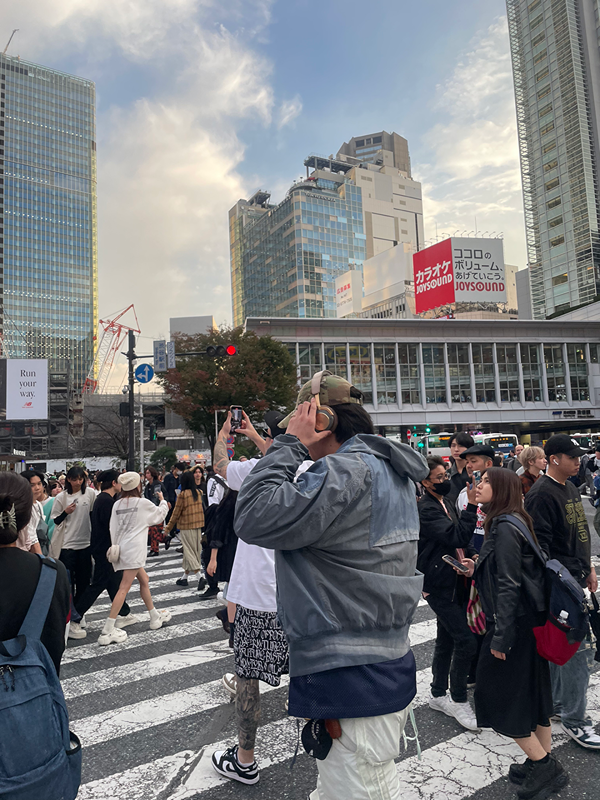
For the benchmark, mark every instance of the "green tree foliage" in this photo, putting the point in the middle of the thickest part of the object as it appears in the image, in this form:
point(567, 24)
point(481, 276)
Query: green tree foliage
point(261, 376)
point(163, 458)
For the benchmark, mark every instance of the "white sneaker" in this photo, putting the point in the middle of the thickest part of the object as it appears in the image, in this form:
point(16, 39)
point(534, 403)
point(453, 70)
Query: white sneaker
point(76, 631)
point(229, 681)
point(116, 636)
point(462, 712)
point(123, 622)
point(586, 736)
point(157, 622)
point(220, 596)
point(83, 623)
point(440, 704)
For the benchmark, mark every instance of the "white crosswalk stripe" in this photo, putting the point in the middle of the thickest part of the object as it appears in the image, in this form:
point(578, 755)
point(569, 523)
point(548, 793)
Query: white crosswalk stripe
point(151, 712)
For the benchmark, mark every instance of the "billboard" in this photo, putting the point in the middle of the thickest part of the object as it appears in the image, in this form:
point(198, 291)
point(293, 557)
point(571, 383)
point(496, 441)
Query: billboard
point(459, 270)
point(24, 388)
point(348, 293)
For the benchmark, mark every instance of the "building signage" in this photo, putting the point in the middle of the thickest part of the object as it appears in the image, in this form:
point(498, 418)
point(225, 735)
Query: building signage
point(24, 388)
point(160, 355)
point(459, 270)
point(348, 293)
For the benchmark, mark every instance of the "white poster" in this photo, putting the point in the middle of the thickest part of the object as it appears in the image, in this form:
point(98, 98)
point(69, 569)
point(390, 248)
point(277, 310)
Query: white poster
point(478, 270)
point(26, 388)
point(348, 293)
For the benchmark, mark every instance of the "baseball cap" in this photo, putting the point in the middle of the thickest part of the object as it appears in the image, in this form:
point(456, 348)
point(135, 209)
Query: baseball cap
point(479, 450)
point(333, 391)
point(561, 443)
point(272, 420)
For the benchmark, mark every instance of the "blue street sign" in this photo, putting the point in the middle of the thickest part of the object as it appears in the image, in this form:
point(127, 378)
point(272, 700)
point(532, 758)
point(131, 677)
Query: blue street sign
point(144, 373)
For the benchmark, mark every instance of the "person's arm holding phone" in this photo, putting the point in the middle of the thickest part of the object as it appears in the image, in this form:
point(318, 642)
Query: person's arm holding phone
point(248, 429)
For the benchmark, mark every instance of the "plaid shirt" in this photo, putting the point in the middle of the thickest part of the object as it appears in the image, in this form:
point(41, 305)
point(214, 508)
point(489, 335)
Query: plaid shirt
point(188, 513)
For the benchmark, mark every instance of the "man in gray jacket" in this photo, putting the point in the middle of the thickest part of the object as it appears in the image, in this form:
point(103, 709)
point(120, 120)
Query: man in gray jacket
point(345, 536)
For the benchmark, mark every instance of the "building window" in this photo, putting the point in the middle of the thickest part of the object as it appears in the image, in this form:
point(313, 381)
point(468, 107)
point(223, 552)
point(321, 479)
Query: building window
point(535, 22)
point(552, 184)
point(360, 143)
point(377, 140)
point(532, 372)
point(542, 74)
point(540, 57)
point(551, 165)
point(557, 280)
point(555, 373)
point(460, 373)
point(538, 39)
point(532, 6)
point(557, 240)
point(545, 110)
point(578, 371)
point(385, 374)
point(594, 352)
point(547, 148)
point(555, 222)
point(309, 359)
point(508, 370)
point(556, 201)
point(360, 370)
point(335, 359)
point(435, 373)
point(547, 129)
point(410, 379)
point(483, 366)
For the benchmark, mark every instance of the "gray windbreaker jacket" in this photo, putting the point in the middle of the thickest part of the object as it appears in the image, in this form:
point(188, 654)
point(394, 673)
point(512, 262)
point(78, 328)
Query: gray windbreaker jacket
point(345, 536)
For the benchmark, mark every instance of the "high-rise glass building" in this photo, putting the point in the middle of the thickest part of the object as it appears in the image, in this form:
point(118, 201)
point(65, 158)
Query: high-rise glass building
point(48, 255)
point(285, 258)
point(555, 47)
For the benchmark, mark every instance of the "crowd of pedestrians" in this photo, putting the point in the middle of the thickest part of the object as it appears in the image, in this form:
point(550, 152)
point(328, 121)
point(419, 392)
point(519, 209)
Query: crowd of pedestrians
point(321, 549)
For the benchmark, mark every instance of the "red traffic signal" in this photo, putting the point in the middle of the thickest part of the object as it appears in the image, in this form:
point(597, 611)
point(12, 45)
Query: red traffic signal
point(231, 350)
point(219, 350)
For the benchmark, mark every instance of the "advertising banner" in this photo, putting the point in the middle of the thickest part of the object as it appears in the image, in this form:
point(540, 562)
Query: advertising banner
point(459, 270)
point(348, 293)
point(24, 388)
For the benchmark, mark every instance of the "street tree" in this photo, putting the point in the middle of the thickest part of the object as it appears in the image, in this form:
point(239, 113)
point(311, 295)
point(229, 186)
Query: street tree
point(163, 458)
point(261, 376)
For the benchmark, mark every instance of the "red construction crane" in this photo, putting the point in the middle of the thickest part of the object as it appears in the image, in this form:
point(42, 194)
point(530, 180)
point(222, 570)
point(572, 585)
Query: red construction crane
point(112, 335)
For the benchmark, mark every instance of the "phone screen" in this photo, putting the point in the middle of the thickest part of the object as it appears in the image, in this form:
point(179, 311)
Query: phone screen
point(477, 475)
point(236, 417)
point(455, 563)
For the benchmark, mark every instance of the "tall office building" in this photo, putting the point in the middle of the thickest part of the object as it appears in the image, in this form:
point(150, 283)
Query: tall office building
point(48, 259)
point(555, 48)
point(285, 258)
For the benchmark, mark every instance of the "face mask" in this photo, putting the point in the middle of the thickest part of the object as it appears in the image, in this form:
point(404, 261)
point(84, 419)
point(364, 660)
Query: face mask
point(442, 488)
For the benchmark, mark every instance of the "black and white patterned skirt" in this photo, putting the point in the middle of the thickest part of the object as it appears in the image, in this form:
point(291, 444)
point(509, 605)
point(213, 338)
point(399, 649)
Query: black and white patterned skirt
point(259, 646)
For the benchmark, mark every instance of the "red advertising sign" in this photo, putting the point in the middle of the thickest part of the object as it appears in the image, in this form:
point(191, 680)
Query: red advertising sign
point(433, 276)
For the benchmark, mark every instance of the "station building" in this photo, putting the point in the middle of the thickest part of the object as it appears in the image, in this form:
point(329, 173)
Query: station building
point(531, 378)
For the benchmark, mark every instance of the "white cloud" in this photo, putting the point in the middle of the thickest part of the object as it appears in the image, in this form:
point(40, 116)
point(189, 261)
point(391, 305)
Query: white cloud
point(288, 111)
point(474, 168)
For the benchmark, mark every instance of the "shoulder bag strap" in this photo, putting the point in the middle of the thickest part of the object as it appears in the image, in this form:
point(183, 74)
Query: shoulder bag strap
point(520, 525)
point(34, 622)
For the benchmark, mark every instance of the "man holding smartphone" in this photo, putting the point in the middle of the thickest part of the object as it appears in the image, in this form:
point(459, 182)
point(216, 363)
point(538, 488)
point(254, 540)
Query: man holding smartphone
point(478, 458)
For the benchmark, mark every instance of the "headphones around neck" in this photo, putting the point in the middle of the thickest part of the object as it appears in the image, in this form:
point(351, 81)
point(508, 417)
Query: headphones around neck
point(326, 417)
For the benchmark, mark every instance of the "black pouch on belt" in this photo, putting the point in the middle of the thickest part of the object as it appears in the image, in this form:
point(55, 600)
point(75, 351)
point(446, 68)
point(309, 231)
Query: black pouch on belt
point(316, 739)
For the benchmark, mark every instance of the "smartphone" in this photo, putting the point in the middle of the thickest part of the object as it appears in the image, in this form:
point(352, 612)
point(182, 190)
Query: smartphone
point(476, 475)
point(455, 563)
point(236, 417)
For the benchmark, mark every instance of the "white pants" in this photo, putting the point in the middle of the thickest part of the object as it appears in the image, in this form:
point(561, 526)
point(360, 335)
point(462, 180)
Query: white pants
point(360, 764)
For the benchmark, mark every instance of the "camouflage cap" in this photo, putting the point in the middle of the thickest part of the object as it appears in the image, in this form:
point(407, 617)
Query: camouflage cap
point(333, 391)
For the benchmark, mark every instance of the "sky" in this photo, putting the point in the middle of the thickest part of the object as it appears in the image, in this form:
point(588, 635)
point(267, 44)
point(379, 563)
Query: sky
point(201, 102)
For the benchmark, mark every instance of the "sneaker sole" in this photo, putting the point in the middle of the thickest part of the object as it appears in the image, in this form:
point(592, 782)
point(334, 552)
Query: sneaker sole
point(105, 643)
point(579, 742)
point(125, 624)
point(555, 786)
point(81, 635)
point(228, 688)
point(233, 776)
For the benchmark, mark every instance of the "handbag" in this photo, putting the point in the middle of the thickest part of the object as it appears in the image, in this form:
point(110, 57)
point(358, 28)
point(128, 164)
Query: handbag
point(113, 554)
point(475, 613)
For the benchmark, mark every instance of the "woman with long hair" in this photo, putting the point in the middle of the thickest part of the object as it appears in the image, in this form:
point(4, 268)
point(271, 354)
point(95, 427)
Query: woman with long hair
point(71, 539)
point(513, 694)
point(130, 519)
point(188, 516)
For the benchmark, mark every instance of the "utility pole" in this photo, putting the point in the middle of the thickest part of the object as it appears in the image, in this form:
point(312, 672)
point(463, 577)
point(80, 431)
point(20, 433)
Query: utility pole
point(130, 359)
point(142, 465)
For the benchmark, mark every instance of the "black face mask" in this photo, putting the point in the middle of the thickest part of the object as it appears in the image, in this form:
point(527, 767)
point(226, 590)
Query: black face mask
point(442, 488)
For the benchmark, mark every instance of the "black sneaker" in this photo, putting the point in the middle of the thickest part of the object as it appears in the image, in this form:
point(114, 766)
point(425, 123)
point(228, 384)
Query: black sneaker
point(543, 779)
point(152, 554)
point(518, 772)
point(222, 616)
point(202, 584)
point(208, 594)
point(167, 542)
point(225, 763)
point(181, 582)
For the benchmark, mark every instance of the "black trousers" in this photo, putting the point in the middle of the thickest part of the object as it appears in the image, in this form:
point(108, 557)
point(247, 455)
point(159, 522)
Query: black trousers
point(105, 578)
point(79, 565)
point(211, 581)
point(455, 647)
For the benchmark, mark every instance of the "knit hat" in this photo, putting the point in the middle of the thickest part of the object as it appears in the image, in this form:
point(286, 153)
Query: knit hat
point(129, 481)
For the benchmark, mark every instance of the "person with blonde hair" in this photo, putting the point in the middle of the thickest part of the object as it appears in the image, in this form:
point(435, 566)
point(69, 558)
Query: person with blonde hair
point(130, 519)
point(533, 461)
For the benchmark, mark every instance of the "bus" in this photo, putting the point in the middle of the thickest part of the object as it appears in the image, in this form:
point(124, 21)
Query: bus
point(587, 441)
point(499, 442)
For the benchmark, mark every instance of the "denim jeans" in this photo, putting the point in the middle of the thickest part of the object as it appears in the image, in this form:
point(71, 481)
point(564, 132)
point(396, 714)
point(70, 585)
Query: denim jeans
point(570, 685)
point(455, 647)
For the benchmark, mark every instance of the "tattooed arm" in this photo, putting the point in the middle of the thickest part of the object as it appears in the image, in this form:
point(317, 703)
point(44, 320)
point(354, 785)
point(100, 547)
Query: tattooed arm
point(220, 457)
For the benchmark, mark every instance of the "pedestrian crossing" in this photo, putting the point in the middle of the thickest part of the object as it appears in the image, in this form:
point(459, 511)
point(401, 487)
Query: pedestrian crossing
point(151, 711)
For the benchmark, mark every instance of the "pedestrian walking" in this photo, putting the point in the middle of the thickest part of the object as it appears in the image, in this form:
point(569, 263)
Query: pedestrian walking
point(130, 519)
point(561, 527)
point(511, 584)
point(345, 538)
point(443, 533)
point(71, 540)
point(533, 460)
point(188, 516)
point(152, 489)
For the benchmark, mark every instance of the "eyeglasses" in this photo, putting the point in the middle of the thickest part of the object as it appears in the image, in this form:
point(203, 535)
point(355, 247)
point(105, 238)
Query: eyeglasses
point(440, 479)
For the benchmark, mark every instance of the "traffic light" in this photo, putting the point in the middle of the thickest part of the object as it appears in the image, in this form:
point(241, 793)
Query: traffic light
point(427, 429)
point(219, 350)
point(152, 432)
point(421, 443)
